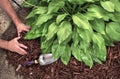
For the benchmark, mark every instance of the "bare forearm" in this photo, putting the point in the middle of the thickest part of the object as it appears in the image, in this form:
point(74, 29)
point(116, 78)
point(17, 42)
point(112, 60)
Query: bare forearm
point(7, 7)
point(3, 44)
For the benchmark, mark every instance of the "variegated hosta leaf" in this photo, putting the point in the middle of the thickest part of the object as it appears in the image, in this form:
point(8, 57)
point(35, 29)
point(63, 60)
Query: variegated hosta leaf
point(81, 21)
point(43, 18)
point(76, 52)
point(86, 58)
point(98, 40)
point(99, 53)
point(57, 50)
point(108, 5)
point(46, 46)
point(64, 31)
point(45, 27)
point(75, 38)
point(95, 11)
point(55, 5)
point(116, 4)
point(98, 25)
point(60, 18)
point(39, 10)
point(66, 55)
point(113, 31)
point(85, 35)
point(51, 31)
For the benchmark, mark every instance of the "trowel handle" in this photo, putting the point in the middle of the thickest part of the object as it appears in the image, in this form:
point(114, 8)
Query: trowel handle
point(29, 63)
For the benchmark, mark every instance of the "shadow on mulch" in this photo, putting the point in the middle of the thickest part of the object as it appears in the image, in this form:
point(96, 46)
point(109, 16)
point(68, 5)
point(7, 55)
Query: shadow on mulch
point(57, 70)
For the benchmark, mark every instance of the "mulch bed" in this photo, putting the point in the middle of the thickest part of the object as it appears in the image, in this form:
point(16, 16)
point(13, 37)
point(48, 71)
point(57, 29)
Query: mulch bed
point(57, 70)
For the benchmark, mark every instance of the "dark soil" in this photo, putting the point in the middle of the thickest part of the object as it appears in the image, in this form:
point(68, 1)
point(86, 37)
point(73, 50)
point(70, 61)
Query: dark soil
point(57, 70)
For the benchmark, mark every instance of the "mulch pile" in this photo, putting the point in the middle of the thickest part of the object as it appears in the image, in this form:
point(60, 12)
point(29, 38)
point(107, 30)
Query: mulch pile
point(110, 69)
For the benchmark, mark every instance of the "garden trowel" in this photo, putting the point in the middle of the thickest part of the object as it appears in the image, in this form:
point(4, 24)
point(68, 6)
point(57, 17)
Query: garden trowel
point(44, 59)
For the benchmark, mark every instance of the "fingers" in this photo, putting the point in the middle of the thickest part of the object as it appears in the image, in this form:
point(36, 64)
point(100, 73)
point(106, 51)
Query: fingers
point(23, 46)
point(27, 28)
point(17, 38)
point(21, 51)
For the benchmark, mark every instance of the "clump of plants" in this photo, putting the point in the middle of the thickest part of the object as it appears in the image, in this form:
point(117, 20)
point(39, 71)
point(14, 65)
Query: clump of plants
point(79, 28)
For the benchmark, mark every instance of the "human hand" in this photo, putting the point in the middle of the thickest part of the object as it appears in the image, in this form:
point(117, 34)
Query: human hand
point(15, 46)
point(22, 27)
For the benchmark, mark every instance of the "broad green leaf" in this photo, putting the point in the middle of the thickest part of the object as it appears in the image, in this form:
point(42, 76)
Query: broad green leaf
point(107, 5)
point(85, 35)
point(35, 32)
point(116, 4)
point(98, 25)
point(75, 38)
point(76, 52)
point(112, 32)
point(38, 11)
point(108, 40)
point(51, 31)
point(100, 53)
point(81, 21)
point(64, 31)
point(60, 18)
point(55, 5)
point(46, 46)
point(98, 39)
point(66, 55)
point(116, 17)
point(45, 28)
point(58, 50)
point(86, 58)
point(95, 11)
point(43, 18)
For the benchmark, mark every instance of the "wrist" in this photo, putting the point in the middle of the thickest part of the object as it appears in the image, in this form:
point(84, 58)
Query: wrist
point(4, 44)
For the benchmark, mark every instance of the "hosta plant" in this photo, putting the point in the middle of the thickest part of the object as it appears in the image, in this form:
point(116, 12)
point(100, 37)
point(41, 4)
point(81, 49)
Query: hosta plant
point(78, 28)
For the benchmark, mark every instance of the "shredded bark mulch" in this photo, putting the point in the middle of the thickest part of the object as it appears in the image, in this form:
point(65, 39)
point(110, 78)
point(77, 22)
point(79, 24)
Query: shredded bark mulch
point(110, 69)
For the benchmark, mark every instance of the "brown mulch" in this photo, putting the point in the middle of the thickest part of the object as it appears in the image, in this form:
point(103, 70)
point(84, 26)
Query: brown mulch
point(57, 70)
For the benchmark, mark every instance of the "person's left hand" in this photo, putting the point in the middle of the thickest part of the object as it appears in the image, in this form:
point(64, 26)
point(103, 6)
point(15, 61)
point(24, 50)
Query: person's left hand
point(22, 27)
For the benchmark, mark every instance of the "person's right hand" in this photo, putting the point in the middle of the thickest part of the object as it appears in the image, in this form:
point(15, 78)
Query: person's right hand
point(15, 46)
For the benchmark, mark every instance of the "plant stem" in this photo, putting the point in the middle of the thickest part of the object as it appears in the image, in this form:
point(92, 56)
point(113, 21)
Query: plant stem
point(30, 4)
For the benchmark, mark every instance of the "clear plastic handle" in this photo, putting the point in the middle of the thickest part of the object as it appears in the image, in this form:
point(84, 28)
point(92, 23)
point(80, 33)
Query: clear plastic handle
point(46, 59)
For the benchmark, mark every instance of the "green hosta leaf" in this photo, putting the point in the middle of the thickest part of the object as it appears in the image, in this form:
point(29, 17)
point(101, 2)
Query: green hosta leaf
point(46, 46)
point(116, 17)
point(64, 31)
point(76, 52)
point(55, 5)
point(85, 35)
point(57, 50)
point(100, 53)
point(98, 39)
point(86, 58)
point(116, 4)
point(95, 11)
point(66, 55)
point(43, 18)
point(112, 32)
point(45, 27)
point(39, 11)
point(60, 18)
point(51, 31)
point(108, 5)
point(108, 41)
point(98, 25)
point(81, 21)
point(75, 38)
point(35, 32)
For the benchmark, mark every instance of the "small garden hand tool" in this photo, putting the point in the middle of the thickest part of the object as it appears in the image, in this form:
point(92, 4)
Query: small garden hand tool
point(44, 59)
